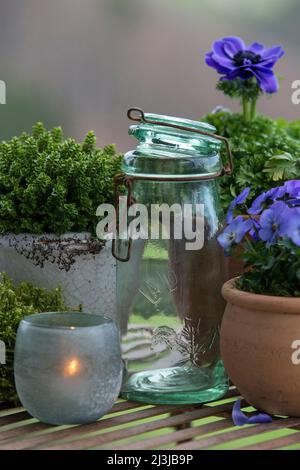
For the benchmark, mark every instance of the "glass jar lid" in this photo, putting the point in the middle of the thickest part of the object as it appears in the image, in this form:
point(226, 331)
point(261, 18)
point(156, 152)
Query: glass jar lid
point(190, 135)
point(172, 146)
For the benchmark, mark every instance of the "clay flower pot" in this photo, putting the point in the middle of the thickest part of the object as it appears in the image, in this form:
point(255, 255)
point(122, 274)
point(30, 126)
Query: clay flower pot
point(259, 349)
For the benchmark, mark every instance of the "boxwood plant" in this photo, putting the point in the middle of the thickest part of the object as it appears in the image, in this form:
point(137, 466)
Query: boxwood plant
point(51, 184)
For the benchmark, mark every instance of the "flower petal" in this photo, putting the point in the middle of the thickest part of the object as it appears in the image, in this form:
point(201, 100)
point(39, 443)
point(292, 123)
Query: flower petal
point(236, 43)
point(273, 51)
point(244, 227)
point(224, 61)
point(209, 59)
point(240, 72)
point(256, 47)
point(218, 48)
point(224, 240)
point(293, 230)
point(260, 418)
point(292, 188)
point(266, 79)
point(230, 52)
point(239, 418)
point(269, 61)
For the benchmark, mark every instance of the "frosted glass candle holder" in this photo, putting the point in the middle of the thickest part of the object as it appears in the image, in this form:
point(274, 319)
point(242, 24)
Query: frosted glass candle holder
point(68, 367)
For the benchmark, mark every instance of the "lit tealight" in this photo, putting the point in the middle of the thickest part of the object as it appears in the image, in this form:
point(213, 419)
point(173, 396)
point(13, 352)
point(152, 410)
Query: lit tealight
point(72, 327)
point(72, 367)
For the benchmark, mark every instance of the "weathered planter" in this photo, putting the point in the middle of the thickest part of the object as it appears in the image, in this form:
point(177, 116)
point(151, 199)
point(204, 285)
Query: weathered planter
point(81, 265)
point(257, 334)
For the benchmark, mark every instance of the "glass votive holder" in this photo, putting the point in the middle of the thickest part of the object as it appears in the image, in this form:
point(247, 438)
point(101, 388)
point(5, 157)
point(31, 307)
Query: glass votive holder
point(68, 367)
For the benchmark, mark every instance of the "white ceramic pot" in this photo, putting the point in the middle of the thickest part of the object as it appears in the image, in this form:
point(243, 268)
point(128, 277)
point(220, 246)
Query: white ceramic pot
point(81, 265)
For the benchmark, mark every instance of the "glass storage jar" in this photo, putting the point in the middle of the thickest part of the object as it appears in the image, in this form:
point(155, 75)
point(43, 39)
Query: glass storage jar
point(168, 290)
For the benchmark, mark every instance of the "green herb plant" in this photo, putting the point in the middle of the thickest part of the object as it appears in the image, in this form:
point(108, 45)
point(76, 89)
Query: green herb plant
point(49, 184)
point(274, 270)
point(265, 152)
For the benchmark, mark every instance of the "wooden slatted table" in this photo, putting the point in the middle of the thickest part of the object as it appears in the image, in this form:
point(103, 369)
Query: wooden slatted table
point(134, 426)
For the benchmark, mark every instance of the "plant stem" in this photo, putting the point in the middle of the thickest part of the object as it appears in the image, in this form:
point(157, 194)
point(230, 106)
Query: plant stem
point(246, 109)
point(253, 109)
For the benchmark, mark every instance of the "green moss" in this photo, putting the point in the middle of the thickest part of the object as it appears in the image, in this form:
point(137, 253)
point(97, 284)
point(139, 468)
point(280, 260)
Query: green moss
point(49, 184)
point(265, 152)
point(16, 303)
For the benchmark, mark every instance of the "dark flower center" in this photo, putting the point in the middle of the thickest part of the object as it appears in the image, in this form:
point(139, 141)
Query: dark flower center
point(240, 57)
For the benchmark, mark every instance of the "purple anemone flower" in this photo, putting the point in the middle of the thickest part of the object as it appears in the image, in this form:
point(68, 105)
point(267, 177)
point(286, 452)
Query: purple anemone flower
point(274, 222)
point(237, 201)
point(293, 230)
point(234, 232)
point(232, 58)
point(264, 199)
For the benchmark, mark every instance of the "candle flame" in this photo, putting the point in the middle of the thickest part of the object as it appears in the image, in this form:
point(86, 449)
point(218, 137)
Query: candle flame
point(72, 367)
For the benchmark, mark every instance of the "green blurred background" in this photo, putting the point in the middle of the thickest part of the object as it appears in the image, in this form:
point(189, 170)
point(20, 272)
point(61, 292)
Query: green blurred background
point(82, 63)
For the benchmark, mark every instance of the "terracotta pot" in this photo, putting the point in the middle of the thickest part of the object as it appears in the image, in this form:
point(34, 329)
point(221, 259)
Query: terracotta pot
point(257, 334)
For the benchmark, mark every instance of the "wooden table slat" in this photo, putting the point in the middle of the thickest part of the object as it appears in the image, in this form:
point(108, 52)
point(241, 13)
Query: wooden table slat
point(239, 433)
point(126, 406)
point(22, 430)
point(177, 436)
point(26, 441)
point(276, 443)
point(14, 418)
point(110, 437)
point(130, 426)
point(38, 426)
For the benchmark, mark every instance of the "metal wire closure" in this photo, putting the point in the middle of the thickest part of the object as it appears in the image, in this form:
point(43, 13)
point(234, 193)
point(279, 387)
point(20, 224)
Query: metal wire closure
point(127, 181)
point(137, 114)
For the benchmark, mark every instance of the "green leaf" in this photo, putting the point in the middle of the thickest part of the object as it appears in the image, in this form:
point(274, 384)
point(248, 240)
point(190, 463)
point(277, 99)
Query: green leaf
point(282, 166)
point(253, 144)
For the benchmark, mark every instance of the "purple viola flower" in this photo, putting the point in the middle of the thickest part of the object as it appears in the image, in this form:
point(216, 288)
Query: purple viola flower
point(234, 232)
point(293, 231)
point(254, 231)
point(274, 222)
point(292, 188)
point(237, 201)
point(264, 199)
point(293, 202)
point(232, 58)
